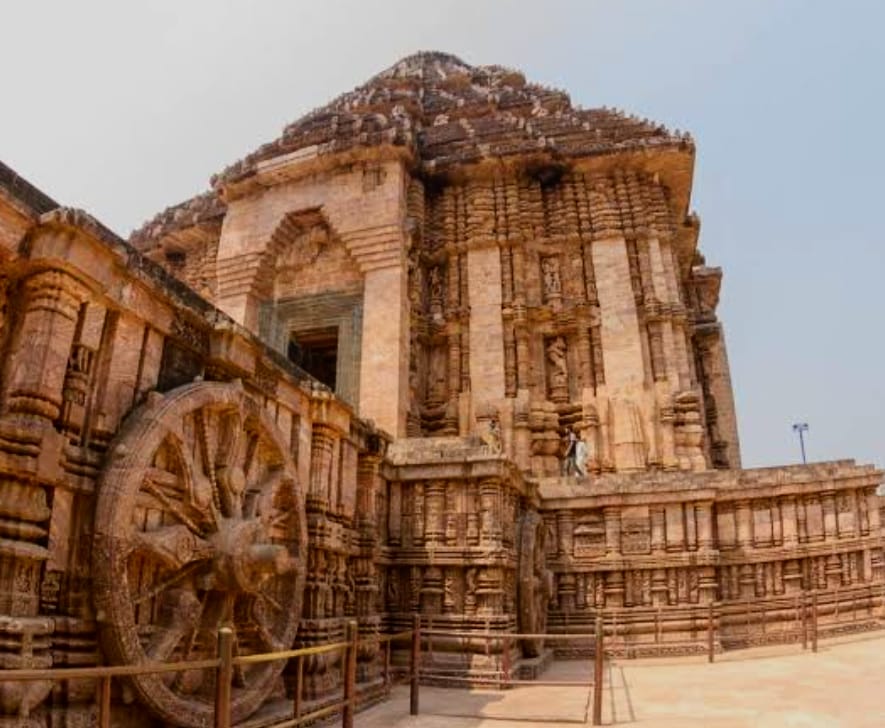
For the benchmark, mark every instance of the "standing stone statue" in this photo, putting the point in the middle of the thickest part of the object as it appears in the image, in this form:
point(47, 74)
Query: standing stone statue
point(569, 461)
point(581, 457)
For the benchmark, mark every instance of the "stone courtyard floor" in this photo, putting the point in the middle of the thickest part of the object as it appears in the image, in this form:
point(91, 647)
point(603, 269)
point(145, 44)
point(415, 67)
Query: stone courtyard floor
point(842, 686)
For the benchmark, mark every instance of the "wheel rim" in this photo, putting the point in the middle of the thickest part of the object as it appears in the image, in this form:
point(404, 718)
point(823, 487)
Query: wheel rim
point(199, 523)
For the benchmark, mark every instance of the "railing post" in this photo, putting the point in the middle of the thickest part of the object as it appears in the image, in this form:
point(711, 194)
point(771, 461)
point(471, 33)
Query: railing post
point(599, 650)
point(299, 686)
point(224, 677)
point(387, 664)
point(505, 659)
point(804, 612)
point(352, 635)
point(415, 664)
point(710, 627)
point(814, 622)
point(104, 702)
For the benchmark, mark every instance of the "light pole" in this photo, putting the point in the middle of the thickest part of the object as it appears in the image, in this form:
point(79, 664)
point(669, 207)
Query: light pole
point(801, 428)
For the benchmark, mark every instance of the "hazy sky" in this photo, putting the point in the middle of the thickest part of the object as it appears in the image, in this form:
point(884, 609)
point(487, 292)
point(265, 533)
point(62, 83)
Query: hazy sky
point(123, 108)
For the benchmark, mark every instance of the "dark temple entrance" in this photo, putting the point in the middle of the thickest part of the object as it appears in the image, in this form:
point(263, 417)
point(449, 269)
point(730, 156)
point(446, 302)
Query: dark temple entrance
point(316, 352)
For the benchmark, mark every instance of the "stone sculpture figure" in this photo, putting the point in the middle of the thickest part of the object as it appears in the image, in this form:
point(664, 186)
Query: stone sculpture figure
point(492, 436)
point(550, 271)
point(581, 457)
point(556, 357)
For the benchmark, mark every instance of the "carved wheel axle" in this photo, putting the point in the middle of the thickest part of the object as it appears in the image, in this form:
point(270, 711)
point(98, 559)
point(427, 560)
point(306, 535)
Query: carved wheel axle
point(199, 524)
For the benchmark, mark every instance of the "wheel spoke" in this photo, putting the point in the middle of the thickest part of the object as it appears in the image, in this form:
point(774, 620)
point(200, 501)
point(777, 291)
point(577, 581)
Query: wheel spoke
point(180, 610)
point(175, 508)
point(197, 487)
point(162, 586)
point(206, 460)
point(178, 684)
point(175, 545)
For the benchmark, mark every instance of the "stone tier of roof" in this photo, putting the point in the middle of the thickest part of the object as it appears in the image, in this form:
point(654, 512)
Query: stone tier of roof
point(203, 208)
point(448, 112)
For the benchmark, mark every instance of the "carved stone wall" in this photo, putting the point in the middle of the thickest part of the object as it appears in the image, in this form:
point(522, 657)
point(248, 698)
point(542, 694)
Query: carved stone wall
point(655, 550)
point(580, 320)
point(455, 518)
point(143, 438)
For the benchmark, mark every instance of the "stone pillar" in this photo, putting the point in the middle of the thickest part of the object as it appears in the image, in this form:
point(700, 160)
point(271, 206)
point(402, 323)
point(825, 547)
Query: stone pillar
point(585, 362)
point(486, 325)
point(394, 513)
point(50, 303)
point(828, 505)
point(691, 528)
point(435, 503)
point(621, 338)
point(322, 445)
point(612, 517)
point(454, 363)
point(873, 511)
point(490, 532)
point(704, 519)
point(384, 368)
point(789, 525)
point(523, 367)
point(658, 542)
point(744, 515)
point(418, 514)
point(565, 524)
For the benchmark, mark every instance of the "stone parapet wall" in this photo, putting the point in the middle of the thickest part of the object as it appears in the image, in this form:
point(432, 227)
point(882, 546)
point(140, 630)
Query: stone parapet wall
point(659, 548)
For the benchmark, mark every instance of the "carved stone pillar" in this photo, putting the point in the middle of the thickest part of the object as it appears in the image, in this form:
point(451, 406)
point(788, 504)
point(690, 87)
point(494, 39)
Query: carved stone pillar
point(614, 589)
point(418, 514)
point(585, 360)
point(612, 531)
point(50, 301)
point(452, 513)
point(828, 504)
point(668, 438)
point(873, 511)
point(490, 533)
point(394, 514)
point(454, 363)
point(704, 519)
point(523, 358)
point(777, 525)
point(565, 526)
point(691, 528)
point(368, 484)
point(434, 524)
point(658, 543)
point(322, 445)
point(789, 525)
point(744, 514)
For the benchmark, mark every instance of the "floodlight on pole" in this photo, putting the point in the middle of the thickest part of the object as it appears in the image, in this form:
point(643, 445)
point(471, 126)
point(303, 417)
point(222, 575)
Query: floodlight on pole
point(801, 428)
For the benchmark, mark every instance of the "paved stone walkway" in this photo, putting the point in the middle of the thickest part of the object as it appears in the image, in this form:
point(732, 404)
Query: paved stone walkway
point(843, 686)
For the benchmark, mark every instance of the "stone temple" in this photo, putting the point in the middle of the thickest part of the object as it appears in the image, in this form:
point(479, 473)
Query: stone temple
point(340, 384)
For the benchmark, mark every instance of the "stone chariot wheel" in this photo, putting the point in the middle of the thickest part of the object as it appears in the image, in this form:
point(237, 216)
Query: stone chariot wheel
point(199, 523)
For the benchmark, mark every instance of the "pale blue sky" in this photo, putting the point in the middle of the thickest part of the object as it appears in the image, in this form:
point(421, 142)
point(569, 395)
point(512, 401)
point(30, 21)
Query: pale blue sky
point(123, 108)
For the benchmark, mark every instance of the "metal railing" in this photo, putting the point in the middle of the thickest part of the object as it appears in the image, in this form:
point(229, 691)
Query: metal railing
point(612, 634)
point(223, 665)
point(503, 678)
